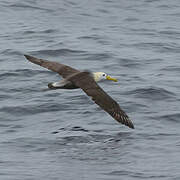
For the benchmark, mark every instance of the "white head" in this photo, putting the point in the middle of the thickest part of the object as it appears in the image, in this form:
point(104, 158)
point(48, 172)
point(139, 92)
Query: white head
point(99, 76)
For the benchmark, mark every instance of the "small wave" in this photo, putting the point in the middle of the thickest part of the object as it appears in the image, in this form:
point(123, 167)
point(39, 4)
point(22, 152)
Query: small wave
point(4, 96)
point(15, 73)
point(152, 93)
point(57, 52)
point(23, 5)
point(175, 117)
point(135, 174)
point(143, 31)
point(5, 125)
point(170, 32)
point(87, 138)
point(97, 38)
point(93, 37)
point(75, 128)
point(171, 69)
point(74, 139)
point(47, 31)
point(118, 173)
point(21, 73)
point(131, 19)
point(8, 52)
point(98, 56)
point(7, 75)
point(104, 11)
point(130, 63)
point(30, 109)
point(158, 47)
point(78, 128)
point(31, 72)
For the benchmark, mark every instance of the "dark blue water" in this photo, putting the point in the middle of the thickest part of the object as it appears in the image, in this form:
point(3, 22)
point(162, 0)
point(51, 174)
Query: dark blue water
point(62, 134)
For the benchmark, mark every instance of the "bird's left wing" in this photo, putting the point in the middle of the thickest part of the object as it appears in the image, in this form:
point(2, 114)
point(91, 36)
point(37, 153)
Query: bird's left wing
point(61, 69)
point(85, 81)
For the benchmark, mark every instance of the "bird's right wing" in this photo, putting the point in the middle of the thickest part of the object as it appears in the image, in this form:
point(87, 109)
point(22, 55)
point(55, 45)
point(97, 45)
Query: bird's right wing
point(62, 69)
point(86, 82)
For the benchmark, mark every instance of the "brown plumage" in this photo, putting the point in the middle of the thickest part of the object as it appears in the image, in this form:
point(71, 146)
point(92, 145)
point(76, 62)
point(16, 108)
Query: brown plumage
point(86, 82)
point(61, 69)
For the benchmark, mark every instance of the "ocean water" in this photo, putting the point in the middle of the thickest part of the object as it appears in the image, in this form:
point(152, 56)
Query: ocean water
point(62, 134)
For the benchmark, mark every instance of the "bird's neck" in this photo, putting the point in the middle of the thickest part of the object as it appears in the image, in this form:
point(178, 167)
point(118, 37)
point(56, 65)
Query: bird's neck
point(96, 77)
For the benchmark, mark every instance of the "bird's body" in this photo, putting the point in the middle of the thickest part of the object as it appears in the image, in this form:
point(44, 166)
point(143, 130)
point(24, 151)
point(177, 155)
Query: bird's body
point(87, 81)
point(65, 84)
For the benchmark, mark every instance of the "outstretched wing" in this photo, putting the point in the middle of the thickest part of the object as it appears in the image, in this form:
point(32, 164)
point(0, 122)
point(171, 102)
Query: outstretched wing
point(62, 69)
point(85, 81)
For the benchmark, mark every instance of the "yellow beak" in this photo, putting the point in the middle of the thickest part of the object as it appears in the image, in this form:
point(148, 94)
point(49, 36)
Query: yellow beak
point(112, 79)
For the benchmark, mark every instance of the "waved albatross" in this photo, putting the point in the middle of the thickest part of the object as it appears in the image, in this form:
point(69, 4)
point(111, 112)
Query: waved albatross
point(85, 80)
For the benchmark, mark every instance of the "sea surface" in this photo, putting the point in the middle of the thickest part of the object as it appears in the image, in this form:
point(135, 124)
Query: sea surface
point(62, 135)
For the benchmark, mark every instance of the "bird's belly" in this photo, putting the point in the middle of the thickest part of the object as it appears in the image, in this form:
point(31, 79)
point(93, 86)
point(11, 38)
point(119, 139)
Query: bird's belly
point(70, 85)
point(62, 85)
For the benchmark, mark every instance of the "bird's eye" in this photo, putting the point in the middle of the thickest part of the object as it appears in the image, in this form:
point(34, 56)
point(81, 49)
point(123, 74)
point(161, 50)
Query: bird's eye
point(103, 74)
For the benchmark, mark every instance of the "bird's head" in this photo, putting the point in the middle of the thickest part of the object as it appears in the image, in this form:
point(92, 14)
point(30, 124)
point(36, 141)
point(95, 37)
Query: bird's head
point(99, 76)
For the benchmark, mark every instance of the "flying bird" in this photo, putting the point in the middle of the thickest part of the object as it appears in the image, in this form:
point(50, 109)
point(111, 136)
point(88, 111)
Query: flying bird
point(87, 81)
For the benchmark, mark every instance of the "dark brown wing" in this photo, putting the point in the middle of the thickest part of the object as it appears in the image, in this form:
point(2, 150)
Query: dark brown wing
point(62, 69)
point(86, 82)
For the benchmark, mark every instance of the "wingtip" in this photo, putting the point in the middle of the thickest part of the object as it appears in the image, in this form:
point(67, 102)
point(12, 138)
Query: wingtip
point(33, 59)
point(130, 124)
point(27, 56)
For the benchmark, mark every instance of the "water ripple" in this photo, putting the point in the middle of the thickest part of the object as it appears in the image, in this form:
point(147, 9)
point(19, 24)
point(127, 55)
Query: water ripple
point(23, 5)
point(152, 93)
point(58, 52)
point(170, 117)
point(36, 109)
